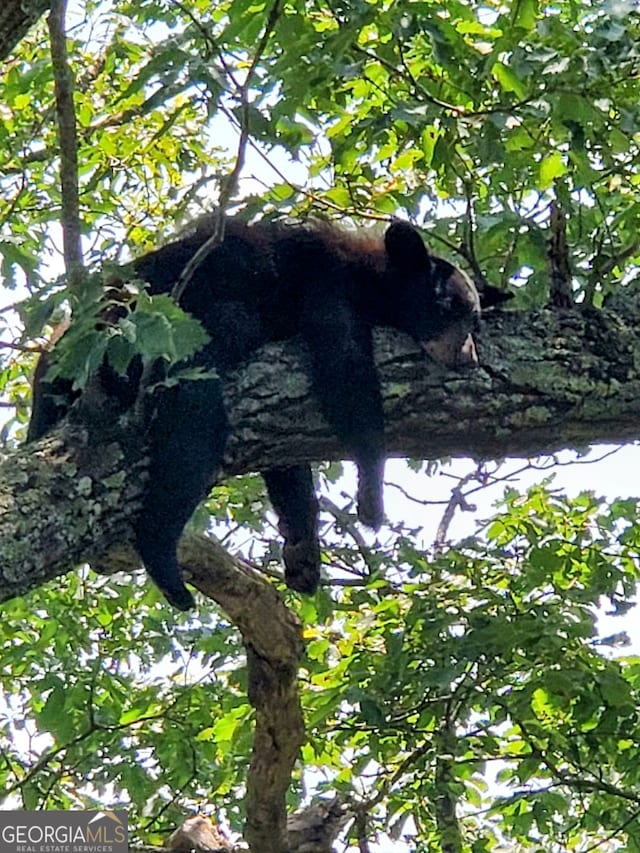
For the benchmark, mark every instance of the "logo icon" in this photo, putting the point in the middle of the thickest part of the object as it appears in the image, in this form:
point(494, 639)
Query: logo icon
point(64, 832)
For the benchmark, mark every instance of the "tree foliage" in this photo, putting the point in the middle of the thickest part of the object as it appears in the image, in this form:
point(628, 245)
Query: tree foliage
point(458, 697)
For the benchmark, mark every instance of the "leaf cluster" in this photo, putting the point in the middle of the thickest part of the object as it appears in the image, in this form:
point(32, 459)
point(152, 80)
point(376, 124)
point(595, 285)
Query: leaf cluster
point(477, 674)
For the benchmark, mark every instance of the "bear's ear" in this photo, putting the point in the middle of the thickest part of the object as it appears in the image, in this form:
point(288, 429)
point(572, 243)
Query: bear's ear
point(405, 247)
point(491, 296)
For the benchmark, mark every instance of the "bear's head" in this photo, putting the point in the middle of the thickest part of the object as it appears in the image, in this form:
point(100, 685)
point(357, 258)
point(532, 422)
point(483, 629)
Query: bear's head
point(434, 301)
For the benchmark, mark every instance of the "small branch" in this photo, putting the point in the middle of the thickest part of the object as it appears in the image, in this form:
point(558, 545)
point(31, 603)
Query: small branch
point(346, 523)
point(418, 91)
point(190, 269)
point(558, 259)
point(608, 264)
point(272, 20)
point(422, 95)
point(23, 347)
point(603, 266)
point(360, 826)
point(469, 248)
point(633, 817)
point(457, 500)
point(68, 141)
point(445, 804)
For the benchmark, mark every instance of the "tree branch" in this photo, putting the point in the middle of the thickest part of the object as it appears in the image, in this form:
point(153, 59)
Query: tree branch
point(273, 641)
point(68, 142)
point(229, 185)
point(548, 380)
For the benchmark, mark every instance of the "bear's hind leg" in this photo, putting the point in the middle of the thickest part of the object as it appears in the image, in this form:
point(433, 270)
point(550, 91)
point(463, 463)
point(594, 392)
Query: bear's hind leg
point(294, 500)
point(189, 431)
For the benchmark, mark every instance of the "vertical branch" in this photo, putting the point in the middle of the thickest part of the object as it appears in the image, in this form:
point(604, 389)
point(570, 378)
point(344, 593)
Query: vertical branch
point(468, 247)
point(360, 826)
point(458, 500)
point(558, 259)
point(272, 637)
point(446, 800)
point(279, 735)
point(68, 142)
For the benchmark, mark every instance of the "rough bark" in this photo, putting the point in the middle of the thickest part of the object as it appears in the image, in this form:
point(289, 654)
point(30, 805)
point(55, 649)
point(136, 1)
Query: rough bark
point(16, 18)
point(548, 380)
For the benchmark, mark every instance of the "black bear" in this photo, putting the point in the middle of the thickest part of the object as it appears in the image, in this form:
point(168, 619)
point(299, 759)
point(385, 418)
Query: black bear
point(269, 282)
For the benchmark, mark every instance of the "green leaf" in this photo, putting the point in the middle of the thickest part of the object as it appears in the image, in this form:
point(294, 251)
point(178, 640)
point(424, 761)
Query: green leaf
point(551, 167)
point(53, 711)
point(507, 79)
point(526, 14)
point(164, 330)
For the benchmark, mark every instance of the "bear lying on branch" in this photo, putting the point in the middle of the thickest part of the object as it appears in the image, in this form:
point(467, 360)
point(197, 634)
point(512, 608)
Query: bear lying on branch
point(270, 282)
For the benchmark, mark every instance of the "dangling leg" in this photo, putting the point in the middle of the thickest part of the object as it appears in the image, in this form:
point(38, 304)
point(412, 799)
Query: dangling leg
point(294, 500)
point(345, 382)
point(188, 435)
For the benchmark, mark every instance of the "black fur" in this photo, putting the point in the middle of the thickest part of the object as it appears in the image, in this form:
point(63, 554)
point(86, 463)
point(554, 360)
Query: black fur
point(269, 282)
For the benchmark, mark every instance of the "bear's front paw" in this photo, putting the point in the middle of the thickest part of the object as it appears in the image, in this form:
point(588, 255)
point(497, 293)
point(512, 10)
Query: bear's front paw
point(179, 596)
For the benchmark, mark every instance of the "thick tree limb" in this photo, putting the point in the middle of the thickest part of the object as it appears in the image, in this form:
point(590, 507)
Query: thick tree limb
point(548, 380)
point(273, 640)
point(16, 18)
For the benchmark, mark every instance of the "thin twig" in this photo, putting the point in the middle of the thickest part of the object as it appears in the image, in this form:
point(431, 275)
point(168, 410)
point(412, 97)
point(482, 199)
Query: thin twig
point(457, 500)
point(469, 247)
point(360, 826)
point(38, 350)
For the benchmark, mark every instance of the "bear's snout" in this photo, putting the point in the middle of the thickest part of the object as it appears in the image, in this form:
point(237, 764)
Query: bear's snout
point(452, 349)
